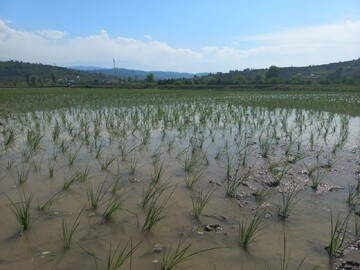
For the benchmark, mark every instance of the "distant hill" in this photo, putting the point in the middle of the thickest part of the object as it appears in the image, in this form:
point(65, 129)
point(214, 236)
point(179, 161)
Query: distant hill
point(86, 68)
point(341, 72)
point(140, 74)
point(19, 73)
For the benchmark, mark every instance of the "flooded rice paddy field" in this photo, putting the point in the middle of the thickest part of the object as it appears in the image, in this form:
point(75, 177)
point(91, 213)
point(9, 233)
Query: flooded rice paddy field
point(157, 175)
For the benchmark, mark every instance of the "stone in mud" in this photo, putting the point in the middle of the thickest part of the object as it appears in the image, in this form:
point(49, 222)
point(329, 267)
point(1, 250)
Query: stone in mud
point(158, 247)
point(353, 263)
point(213, 227)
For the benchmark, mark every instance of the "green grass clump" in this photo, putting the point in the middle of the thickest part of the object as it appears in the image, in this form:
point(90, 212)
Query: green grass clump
point(288, 201)
point(80, 175)
point(191, 178)
point(122, 253)
point(249, 230)
point(113, 204)
point(232, 182)
point(47, 204)
point(95, 197)
point(174, 257)
point(199, 201)
point(23, 175)
point(21, 209)
point(156, 210)
point(338, 235)
point(68, 232)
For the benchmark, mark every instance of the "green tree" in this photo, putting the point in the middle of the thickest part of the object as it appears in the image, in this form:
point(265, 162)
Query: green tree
point(273, 72)
point(33, 81)
point(149, 78)
point(240, 79)
point(53, 77)
point(27, 78)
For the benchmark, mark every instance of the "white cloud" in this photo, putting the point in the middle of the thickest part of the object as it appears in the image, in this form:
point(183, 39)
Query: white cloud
point(309, 45)
point(302, 46)
point(52, 34)
point(148, 37)
point(98, 49)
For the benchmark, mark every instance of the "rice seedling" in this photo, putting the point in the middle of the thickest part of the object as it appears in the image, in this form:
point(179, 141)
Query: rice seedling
point(133, 163)
point(23, 175)
point(293, 158)
point(338, 234)
point(79, 176)
point(8, 137)
point(97, 130)
point(67, 232)
point(65, 145)
point(312, 139)
point(263, 194)
point(125, 150)
point(181, 254)
point(122, 253)
point(285, 259)
point(71, 131)
point(170, 144)
point(316, 178)
point(154, 190)
point(146, 137)
point(84, 173)
point(113, 204)
point(56, 131)
point(249, 230)
point(158, 172)
point(310, 169)
point(72, 156)
point(193, 162)
point(232, 182)
point(106, 162)
point(200, 200)
point(99, 149)
point(278, 171)
point(118, 183)
point(95, 197)
point(47, 204)
point(10, 163)
point(288, 201)
point(27, 154)
point(51, 168)
point(265, 144)
point(34, 138)
point(330, 161)
point(156, 210)
point(357, 227)
point(192, 178)
point(37, 163)
point(21, 209)
point(353, 197)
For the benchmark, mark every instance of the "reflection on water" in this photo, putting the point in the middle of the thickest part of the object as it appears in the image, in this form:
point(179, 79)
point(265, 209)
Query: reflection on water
point(69, 158)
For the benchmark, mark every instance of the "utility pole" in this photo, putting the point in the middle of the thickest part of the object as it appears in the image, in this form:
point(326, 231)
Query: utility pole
point(114, 67)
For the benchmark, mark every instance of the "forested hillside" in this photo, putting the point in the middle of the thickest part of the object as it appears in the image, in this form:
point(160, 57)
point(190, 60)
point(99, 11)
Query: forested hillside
point(14, 73)
point(347, 72)
point(20, 73)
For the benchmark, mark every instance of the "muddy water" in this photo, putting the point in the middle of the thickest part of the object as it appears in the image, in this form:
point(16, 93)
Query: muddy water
point(216, 137)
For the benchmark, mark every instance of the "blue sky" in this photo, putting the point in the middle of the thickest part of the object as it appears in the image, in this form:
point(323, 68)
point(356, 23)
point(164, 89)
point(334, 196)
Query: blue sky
point(185, 35)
